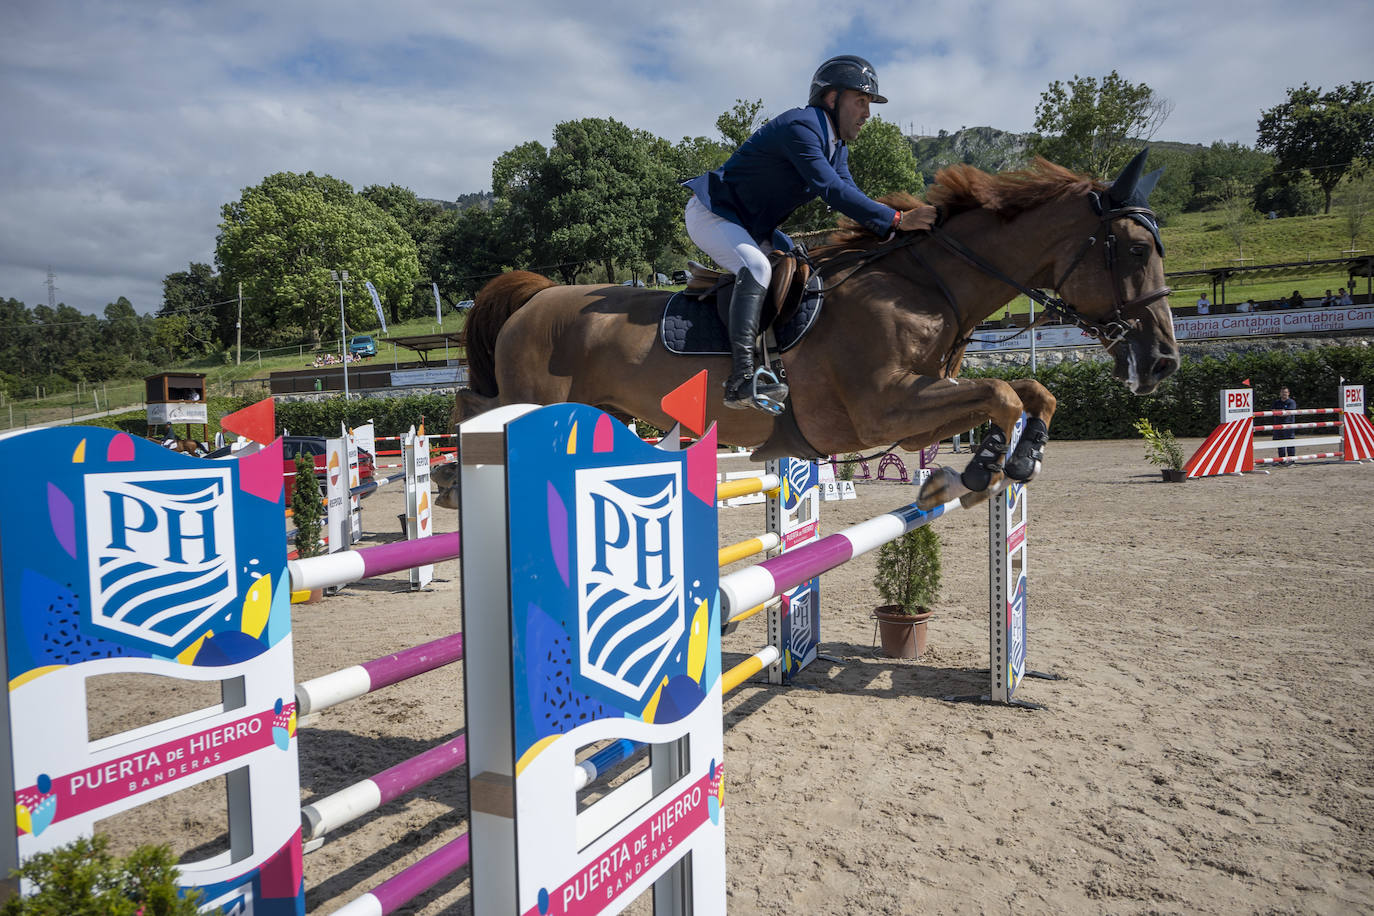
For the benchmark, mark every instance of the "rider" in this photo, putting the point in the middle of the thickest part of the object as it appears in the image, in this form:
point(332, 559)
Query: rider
point(734, 212)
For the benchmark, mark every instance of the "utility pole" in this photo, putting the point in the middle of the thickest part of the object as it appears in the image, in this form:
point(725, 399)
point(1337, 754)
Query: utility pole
point(238, 328)
point(52, 288)
point(340, 277)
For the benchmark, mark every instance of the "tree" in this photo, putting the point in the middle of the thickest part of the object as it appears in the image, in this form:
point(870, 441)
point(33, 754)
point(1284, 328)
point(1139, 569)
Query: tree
point(602, 192)
point(1354, 199)
point(881, 162)
point(1321, 133)
point(739, 123)
point(194, 319)
point(1236, 205)
point(1221, 166)
point(1096, 127)
point(424, 221)
point(282, 238)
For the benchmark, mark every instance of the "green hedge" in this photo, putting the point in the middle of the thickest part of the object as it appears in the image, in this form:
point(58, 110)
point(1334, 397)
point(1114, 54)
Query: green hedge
point(1094, 405)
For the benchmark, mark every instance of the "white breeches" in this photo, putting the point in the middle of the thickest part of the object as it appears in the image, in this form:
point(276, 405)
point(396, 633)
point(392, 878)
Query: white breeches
point(728, 243)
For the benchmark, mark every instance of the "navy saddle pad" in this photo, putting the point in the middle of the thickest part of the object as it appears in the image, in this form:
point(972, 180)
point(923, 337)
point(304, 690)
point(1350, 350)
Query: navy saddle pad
point(691, 326)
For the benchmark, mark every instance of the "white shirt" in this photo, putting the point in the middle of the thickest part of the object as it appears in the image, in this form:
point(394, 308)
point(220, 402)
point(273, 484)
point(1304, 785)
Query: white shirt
point(834, 137)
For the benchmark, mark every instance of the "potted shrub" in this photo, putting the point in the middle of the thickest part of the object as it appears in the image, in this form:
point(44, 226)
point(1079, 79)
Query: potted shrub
point(307, 512)
point(1162, 448)
point(908, 579)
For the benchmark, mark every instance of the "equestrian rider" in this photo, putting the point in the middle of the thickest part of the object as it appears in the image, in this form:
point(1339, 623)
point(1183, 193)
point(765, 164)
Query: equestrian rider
point(735, 210)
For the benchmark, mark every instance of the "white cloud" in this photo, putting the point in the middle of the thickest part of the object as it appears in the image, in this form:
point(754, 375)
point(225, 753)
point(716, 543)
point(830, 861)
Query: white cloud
point(130, 126)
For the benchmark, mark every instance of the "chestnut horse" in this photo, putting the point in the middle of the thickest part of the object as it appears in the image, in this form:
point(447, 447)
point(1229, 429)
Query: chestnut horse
point(879, 365)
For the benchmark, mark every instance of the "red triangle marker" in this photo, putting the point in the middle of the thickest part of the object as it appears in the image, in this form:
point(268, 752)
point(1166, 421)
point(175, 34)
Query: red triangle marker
point(257, 422)
point(687, 403)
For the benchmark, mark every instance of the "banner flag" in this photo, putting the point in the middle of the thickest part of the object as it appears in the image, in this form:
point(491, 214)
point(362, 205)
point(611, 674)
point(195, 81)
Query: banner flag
point(376, 303)
point(438, 312)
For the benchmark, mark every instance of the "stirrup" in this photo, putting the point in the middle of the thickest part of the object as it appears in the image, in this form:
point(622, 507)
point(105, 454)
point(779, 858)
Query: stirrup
point(747, 393)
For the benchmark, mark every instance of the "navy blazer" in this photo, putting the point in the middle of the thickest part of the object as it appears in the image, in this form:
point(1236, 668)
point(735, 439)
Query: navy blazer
point(782, 166)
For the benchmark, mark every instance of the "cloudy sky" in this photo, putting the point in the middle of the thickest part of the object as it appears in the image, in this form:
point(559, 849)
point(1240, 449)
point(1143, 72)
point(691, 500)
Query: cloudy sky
point(129, 124)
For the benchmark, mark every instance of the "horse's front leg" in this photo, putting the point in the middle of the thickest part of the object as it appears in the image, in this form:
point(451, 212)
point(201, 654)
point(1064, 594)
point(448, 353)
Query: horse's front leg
point(1039, 404)
point(920, 410)
point(986, 469)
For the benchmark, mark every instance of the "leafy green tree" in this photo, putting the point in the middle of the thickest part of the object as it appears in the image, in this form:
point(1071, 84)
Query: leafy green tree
point(1236, 206)
point(474, 247)
point(881, 162)
point(739, 123)
point(193, 319)
point(424, 221)
point(1321, 133)
point(282, 238)
point(1096, 127)
point(603, 192)
point(1222, 167)
point(1354, 200)
point(1174, 193)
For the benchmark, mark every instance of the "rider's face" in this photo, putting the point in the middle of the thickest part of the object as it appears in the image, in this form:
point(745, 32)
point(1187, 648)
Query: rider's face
point(851, 112)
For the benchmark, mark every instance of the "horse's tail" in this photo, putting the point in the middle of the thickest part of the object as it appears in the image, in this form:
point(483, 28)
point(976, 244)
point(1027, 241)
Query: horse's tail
point(495, 303)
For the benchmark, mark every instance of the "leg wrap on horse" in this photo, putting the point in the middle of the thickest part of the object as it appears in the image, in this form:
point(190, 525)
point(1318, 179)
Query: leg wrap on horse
point(1029, 452)
point(986, 461)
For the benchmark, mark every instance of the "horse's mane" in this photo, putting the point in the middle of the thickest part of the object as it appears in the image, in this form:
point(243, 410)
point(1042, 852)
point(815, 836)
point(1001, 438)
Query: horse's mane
point(959, 188)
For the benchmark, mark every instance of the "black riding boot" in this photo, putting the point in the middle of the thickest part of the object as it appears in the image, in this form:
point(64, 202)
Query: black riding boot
point(742, 389)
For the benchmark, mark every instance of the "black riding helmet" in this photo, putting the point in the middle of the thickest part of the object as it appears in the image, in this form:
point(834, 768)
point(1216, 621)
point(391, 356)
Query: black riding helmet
point(845, 72)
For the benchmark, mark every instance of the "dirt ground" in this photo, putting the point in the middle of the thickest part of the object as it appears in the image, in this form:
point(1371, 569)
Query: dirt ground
point(1208, 750)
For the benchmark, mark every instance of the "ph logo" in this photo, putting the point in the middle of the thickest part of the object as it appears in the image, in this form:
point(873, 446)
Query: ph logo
point(161, 554)
point(801, 476)
point(630, 593)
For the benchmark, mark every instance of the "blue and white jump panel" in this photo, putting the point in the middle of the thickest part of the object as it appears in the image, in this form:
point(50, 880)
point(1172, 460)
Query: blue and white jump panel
point(121, 557)
point(794, 624)
point(588, 618)
point(1008, 577)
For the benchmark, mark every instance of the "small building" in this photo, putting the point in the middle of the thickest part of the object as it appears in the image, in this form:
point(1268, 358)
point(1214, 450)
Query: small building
point(177, 397)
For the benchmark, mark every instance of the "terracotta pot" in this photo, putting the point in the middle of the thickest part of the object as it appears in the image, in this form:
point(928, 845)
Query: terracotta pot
point(1172, 475)
point(903, 635)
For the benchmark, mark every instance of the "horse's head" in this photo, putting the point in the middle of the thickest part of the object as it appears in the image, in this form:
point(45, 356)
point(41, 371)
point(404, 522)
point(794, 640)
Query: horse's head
point(1112, 281)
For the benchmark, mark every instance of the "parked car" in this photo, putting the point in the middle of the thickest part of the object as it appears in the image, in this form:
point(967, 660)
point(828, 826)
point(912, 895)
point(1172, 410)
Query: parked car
point(635, 282)
point(362, 345)
point(314, 446)
point(681, 276)
point(660, 279)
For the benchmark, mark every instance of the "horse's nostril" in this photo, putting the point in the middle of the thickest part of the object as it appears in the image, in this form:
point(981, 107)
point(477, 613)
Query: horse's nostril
point(1165, 366)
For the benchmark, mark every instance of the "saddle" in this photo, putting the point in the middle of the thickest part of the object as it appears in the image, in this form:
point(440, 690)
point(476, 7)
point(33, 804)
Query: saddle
point(695, 320)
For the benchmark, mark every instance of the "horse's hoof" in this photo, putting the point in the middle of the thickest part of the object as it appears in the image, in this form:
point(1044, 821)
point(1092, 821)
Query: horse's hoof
point(1022, 471)
point(940, 487)
point(976, 477)
point(969, 500)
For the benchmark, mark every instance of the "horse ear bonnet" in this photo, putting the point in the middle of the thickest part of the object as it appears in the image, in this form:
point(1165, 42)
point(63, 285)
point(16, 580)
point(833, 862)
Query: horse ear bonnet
point(1132, 189)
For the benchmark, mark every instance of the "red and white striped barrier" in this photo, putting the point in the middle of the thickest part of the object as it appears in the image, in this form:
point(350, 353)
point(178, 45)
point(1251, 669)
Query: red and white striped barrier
point(1230, 449)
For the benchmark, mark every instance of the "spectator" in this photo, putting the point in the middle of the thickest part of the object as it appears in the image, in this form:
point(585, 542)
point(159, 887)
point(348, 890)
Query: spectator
point(1344, 298)
point(1283, 403)
point(1247, 306)
point(1328, 300)
point(1296, 301)
point(1204, 307)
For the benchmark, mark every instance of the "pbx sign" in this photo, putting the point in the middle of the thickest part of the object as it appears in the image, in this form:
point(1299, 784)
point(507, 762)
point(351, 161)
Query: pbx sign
point(1236, 404)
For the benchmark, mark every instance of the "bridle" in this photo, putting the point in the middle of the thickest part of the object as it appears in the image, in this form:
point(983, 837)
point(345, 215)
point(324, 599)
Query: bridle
point(1111, 329)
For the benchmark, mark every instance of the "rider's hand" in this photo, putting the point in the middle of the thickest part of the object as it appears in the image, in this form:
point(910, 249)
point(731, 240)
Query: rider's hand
point(922, 216)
